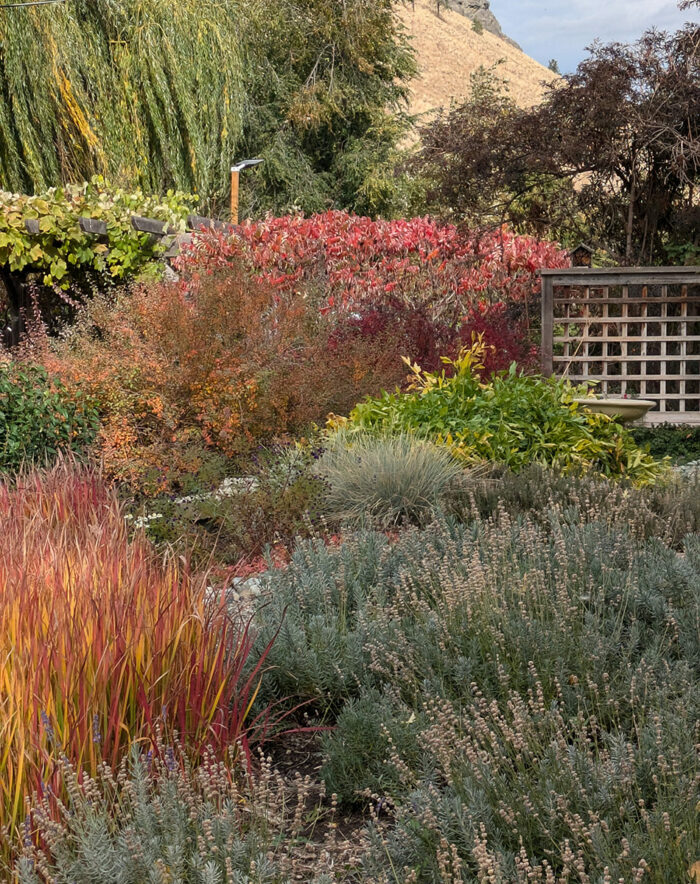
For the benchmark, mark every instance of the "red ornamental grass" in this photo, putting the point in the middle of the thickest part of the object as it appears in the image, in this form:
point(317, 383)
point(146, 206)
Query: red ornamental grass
point(102, 642)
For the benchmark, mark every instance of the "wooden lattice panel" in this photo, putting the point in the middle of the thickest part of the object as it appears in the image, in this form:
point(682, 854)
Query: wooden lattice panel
point(635, 331)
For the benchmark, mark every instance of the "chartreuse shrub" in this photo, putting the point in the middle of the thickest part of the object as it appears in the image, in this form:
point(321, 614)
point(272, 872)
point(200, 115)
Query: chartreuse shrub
point(521, 692)
point(510, 418)
point(386, 481)
point(103, 642)
point(39, 417)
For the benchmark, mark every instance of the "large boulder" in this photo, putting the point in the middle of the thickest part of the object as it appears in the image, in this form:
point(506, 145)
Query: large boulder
point(479, 10)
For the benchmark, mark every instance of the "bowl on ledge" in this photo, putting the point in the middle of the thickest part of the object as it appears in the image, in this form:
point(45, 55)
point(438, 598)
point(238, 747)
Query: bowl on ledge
point(623, 410)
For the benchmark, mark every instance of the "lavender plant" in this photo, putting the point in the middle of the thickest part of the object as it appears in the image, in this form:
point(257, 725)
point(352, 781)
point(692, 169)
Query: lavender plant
point(519, 691)
point(160, 821)
point(668, 510)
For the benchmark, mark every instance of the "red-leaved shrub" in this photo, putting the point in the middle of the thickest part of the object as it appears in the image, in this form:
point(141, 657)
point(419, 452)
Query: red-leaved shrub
point(505, 333)
point(354, 262)
point(268, 331)
point(430, 285)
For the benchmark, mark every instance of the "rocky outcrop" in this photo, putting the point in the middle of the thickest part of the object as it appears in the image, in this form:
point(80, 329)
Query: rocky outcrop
point(479, 10)
point(448, 52)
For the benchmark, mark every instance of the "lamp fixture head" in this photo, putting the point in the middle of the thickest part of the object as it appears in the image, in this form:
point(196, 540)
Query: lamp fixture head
point(246, 164)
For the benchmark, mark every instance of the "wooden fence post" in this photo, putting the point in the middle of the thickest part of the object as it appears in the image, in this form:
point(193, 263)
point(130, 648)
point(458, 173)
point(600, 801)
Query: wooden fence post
point(547, 325)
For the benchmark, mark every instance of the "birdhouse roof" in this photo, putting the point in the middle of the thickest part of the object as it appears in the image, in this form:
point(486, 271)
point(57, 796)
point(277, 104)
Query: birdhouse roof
point(581, 247)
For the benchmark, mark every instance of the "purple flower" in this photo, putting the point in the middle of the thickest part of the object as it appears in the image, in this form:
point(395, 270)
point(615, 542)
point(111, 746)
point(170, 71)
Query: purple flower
point(47, 726)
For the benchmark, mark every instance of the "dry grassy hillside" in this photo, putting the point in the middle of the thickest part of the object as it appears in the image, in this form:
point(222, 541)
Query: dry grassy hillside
point(449, 50)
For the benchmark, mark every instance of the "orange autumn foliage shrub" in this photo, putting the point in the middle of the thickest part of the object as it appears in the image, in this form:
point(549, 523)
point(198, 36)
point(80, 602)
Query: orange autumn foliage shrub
point(218, 363)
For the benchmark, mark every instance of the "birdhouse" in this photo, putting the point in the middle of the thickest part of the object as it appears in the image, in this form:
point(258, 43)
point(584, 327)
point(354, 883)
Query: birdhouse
point(581, 256)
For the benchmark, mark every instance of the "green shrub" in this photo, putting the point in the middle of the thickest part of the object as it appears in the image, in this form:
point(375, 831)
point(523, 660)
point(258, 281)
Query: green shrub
point(386, 481)
point(322, 599)
point(370, 729)
point(512, 418)
point(679, 442)
point(39, 418)
point(160, 821)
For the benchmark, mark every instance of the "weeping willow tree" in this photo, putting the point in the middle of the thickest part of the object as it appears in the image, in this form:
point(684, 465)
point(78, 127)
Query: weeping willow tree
point(325, 98)
point(163, 94)
point(145, 92)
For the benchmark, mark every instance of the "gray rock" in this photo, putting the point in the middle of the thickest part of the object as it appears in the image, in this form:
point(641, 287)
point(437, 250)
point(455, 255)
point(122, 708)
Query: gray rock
point(479, 10)
point(247, 586)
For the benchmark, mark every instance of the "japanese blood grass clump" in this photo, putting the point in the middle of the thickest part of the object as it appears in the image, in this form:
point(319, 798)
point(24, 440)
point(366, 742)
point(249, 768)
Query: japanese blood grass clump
point(387, 481)
point(522, 692)
point(102, 641)
point(511, 418)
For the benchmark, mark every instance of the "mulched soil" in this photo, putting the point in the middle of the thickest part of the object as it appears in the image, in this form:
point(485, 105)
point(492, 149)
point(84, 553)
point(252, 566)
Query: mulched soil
point(332, 841)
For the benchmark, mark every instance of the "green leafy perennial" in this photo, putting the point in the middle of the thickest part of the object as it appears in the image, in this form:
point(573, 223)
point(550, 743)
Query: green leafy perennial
point(512, 418)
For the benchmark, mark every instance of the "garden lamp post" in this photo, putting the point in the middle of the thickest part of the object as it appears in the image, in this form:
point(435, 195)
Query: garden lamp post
point(236, 170)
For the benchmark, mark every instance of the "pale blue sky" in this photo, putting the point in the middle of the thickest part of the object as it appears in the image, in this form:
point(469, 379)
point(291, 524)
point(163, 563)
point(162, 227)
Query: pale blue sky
point(562, 29)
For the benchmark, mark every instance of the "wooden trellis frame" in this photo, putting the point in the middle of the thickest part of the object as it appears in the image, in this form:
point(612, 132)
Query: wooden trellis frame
point(634, 330)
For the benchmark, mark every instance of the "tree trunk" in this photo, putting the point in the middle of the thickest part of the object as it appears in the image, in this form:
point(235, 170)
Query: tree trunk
point(630, 219)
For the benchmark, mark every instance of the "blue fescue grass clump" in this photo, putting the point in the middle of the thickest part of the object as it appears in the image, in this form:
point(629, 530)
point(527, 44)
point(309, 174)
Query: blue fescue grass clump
point(386, 481)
